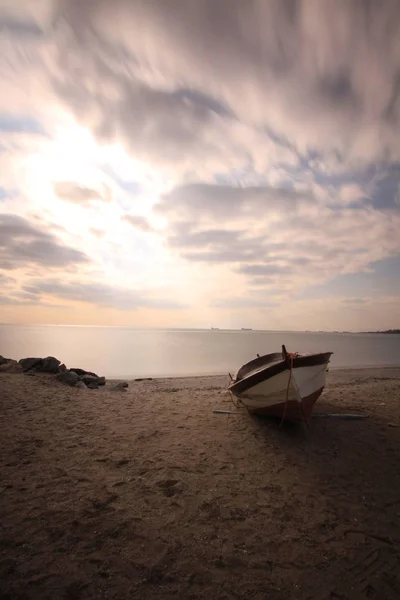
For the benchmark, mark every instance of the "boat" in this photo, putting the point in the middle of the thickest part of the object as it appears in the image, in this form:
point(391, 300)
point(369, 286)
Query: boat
point(284, 385)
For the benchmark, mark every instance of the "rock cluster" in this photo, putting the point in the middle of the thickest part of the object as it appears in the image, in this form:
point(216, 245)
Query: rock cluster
point(74, 377)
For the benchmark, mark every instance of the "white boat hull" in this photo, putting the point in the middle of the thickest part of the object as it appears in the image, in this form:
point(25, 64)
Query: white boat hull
point(283, 389)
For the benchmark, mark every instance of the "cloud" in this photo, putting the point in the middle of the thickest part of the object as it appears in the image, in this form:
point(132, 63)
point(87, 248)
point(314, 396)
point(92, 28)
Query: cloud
point(238, 303)
point(300, 67)
point(265, 270)
point(273, 146)
point(10, 301)
point(22, 244)
point(101, 294)
point(138, 222)
point(80, 194)
point(216, 245)
point(5, 280)
point(354, 302)
point(232, 203)
point(19, 27)
point(284, 240)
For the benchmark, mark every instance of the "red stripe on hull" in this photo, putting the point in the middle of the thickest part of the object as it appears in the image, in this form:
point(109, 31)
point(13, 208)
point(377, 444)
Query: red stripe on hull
point(292, 411)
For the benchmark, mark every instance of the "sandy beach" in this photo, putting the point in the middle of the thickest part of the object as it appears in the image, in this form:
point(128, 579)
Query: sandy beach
point(149, 494)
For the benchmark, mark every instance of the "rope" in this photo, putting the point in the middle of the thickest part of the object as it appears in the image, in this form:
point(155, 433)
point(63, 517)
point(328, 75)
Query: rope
point(291, 356)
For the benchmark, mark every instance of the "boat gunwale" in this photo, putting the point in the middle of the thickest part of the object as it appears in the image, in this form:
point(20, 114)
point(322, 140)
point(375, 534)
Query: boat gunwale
point(258, 363)
point(254, 378)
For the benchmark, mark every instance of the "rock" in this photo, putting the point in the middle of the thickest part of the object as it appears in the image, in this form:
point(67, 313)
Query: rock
point(68, 377)
point(123, 384)
point(92, 386)
point(49, 365)
point(144, 379)
point(30, 363)
point(82, 372)
point(120, 387)
point(80, 385)
point(62, 368)
point(88, 379)
point(3, 360)
point(10, 366)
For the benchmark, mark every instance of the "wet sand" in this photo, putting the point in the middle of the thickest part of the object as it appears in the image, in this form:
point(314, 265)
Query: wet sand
point(149, 494)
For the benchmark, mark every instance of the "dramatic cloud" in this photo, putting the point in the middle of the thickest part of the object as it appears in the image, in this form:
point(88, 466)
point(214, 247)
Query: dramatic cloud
point(321, 74)
point(257, 142)
point(22, 244)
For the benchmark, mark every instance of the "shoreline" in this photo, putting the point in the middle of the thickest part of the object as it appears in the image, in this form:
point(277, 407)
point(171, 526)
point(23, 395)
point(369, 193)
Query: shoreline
point(219, 375)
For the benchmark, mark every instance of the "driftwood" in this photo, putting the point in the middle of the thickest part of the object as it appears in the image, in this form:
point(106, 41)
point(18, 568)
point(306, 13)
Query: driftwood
point(346, 416)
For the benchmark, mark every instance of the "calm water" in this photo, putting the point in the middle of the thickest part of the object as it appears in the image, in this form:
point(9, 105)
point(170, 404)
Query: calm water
point(127, 352)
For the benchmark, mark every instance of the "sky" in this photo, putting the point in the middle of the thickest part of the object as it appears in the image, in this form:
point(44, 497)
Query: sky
point(205, 163)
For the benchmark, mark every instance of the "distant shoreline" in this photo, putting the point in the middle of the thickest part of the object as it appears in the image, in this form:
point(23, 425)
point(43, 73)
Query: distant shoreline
point(203, 329)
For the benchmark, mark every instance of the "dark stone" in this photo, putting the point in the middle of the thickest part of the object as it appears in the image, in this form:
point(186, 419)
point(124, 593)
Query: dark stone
point(120, 387)
point(88, 379)
point(62, 368)
point(92, 386)
point(143, 379)
point(49, 365)
point(10, 366)
point(81, 385)
point(4, 360)
point(82, 372)
point(68, 377)
point(30, 363)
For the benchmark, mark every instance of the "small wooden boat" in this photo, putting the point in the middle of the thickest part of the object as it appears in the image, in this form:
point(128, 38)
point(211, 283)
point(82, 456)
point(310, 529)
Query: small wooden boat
point(282, 384)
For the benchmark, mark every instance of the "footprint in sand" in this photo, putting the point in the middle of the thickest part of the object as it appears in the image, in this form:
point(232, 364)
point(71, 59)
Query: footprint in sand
point(170, 487)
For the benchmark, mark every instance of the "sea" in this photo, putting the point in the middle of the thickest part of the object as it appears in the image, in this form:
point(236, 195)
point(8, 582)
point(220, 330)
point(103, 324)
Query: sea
point(126, 352)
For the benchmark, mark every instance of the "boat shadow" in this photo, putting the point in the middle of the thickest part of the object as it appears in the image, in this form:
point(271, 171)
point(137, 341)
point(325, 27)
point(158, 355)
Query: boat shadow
point(360, 454)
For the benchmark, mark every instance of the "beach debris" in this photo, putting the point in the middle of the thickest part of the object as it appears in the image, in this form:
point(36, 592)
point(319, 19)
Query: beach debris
point(68, 377)
point(345, 416)
point(227, 412)
point(81, 385)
